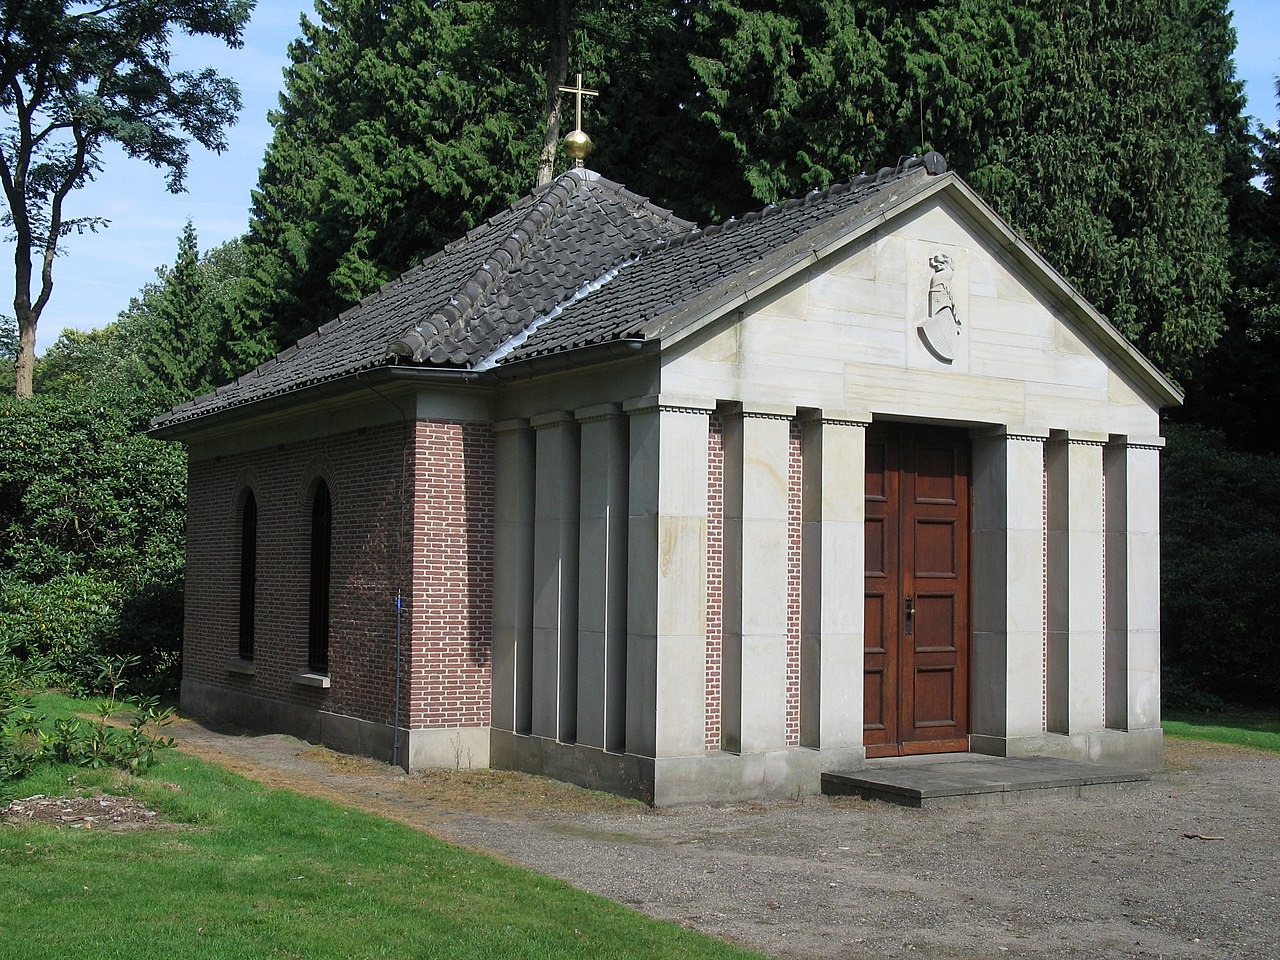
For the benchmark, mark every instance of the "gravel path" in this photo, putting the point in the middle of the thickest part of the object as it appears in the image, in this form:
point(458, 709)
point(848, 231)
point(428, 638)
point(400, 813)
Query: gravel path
point(1188, 869)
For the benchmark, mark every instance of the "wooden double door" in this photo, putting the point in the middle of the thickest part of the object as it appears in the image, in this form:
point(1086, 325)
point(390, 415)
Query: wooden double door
point(916, 676)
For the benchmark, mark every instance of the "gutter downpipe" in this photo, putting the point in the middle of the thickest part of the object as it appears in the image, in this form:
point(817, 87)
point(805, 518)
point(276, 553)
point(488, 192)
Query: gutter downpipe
point(395, 738)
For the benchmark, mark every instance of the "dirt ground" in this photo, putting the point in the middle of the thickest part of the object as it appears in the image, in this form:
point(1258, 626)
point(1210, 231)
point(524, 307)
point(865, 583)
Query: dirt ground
point(96, 811)
point(1189, 868)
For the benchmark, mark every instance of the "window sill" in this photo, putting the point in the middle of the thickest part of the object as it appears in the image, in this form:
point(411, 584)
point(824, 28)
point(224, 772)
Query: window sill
point(307, 678)
point(245, 668)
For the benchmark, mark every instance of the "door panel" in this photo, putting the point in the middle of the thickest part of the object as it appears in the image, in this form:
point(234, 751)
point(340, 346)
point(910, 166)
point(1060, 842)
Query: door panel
point(880, 684)
point(917, 590)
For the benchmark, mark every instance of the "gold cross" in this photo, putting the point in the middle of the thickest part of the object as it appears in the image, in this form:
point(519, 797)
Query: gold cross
point(580, 91)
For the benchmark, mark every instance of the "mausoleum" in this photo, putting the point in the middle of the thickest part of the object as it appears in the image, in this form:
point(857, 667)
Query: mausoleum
point(686, 513)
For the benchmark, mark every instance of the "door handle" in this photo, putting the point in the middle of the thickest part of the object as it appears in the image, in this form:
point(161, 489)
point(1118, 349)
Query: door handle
point(911, 615)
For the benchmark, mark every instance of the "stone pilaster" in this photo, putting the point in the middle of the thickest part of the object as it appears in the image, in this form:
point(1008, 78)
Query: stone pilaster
point(602, 578)
point(667, 582)
point(754, 692)
point(832, 568)
point(555, 577)
point(1074, 648)
point(513, 576)
point(1132, 473)
point(1007, 658)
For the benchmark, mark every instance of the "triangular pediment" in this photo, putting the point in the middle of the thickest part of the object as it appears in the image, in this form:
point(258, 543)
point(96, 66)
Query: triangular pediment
point(934, 310)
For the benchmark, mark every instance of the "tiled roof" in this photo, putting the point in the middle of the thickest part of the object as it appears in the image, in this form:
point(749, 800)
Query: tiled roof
point(579, 262)
point(482, 290)
point(577, 231)
point(685, 277)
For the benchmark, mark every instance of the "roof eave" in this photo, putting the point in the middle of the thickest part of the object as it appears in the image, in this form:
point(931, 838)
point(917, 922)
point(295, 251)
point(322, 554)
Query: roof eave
point(221, 418)
point(589, 355)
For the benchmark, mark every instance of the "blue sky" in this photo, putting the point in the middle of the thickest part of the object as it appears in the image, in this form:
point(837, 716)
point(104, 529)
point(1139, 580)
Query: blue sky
point(100, 272)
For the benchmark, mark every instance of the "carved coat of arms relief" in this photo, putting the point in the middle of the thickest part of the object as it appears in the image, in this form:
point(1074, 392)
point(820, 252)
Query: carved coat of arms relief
point(941, 329)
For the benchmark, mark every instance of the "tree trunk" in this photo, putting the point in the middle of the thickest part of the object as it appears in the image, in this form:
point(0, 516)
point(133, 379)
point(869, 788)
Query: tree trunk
point(25, 363)
point(26, 313)
point(557, 75)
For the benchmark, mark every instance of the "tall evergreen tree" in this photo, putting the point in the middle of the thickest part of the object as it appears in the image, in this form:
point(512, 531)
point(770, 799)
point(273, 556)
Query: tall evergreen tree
point(1236, 388)
point(794, 92)
point(401, 125)
point(1098, 127)
point(178, 353)
point(1115, 171)
point(166, 346)
point(1259, 235)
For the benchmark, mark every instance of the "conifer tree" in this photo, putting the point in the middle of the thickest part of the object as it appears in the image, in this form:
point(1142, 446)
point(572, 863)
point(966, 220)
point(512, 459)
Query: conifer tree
point(401, 126)
point(1236, 387)
point(1115, 171)
point(177, 353)
point(1101, 128)
point(165, 346)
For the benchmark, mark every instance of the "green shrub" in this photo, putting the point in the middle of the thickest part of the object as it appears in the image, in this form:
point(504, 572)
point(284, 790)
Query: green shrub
point(92, 515)
point(28, 739)
point(21, 744)
point(61, 626)
point(1220, 542)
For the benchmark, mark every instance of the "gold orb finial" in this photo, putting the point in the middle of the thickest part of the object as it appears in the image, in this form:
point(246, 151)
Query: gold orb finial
point(577, 145)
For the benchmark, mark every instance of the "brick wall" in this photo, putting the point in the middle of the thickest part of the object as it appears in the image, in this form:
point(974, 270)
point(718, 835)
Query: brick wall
point(715, 576)
point(211, 612)
point(795, 477)
point(442, 534)
point(451, 666)
point(715, 580)
point(365, 474)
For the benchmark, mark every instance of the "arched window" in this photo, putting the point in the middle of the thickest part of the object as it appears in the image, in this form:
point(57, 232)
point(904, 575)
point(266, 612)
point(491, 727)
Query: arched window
point(248, 572)
point(321, 537)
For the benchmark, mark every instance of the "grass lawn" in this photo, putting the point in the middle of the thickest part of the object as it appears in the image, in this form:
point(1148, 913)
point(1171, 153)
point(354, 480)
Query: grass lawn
point(243, 871)
point(1260, 729)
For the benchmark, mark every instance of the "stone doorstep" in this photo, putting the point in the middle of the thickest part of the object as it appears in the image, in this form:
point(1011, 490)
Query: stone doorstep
point(973, 780)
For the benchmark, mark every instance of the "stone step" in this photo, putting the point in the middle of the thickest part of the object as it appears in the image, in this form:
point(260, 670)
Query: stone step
point(974, 780)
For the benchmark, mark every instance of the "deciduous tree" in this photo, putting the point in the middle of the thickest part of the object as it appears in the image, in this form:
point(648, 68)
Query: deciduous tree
point(91, 531)
point(75, 77)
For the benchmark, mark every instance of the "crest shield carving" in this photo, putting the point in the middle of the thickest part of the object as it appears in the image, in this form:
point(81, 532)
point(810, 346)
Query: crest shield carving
point(941, 328)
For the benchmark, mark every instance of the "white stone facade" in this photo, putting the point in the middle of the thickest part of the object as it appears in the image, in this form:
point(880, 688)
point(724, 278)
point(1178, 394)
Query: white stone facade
point(601, 606)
